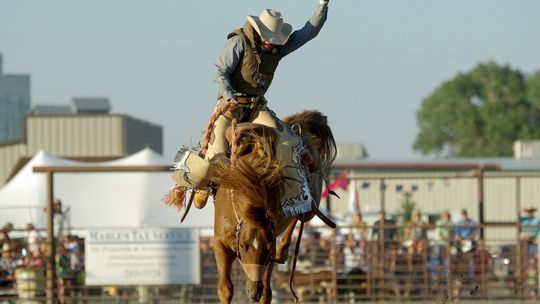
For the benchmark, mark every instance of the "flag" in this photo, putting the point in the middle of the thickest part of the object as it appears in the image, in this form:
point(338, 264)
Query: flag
point(339, 183)
point(354, 198)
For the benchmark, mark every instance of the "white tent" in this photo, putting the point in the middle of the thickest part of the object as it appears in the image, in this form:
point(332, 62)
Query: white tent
point(98, 200)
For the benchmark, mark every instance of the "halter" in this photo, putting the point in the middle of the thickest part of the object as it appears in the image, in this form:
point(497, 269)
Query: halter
point(254, 272)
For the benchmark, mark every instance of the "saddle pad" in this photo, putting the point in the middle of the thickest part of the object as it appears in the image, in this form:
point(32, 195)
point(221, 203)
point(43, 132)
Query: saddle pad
point(297, 198)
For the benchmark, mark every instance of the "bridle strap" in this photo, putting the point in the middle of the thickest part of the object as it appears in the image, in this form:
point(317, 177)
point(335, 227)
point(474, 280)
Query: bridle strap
point(295, 258)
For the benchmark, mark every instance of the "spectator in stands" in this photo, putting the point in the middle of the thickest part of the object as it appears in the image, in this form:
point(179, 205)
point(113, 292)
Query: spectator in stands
point(208, 271)
point(61, 224)
point(529, 230)
point(528, 234)
point(317, 252)
point(63, 273)
point(60, 221)
point(8, 263)
point(384, 238)
point(34, 259)
point(355, 268)
point(443, 240)
point(466, 229)
point(465, 236)
point(415, 240)
point(355, 244)
point(4, 234)
point(71, 244)
point(415, 237)
point(358, 229)
point(388, 228)
point(354, 256)
point(33, 240)
point(483, 262)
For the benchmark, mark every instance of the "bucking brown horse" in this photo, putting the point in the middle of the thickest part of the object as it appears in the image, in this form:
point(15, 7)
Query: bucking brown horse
point(249, 225)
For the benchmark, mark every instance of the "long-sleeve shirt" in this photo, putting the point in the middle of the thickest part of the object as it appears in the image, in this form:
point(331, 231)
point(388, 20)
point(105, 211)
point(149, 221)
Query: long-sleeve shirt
point(232, 52)
point(529, 226)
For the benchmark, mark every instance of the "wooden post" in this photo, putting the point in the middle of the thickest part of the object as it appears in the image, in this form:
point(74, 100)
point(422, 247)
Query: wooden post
point(51, 248)
point(519, 273)
point(333, 262)
point(481, 200)
point(329, 203)
point(380, 248)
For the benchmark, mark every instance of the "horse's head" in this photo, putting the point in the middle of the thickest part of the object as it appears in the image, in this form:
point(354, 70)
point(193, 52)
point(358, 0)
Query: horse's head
point(254, 185)
point(255, 247)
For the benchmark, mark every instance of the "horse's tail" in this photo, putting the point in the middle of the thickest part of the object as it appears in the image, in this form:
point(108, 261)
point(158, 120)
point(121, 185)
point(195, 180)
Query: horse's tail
point(314, 125)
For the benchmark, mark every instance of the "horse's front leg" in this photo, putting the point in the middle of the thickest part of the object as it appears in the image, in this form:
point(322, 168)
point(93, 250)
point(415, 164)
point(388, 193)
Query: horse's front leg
point(224, 259)
point(282, 247)
point(267, 288)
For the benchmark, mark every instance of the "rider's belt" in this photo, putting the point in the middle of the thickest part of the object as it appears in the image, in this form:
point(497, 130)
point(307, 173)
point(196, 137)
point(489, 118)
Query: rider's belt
point(246, 99)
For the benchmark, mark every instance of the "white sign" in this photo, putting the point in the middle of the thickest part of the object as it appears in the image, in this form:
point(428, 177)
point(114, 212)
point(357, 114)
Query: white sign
point(142, 257)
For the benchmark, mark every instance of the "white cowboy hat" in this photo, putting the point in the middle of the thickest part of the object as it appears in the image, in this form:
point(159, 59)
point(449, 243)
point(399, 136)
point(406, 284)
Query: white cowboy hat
point(271, 27)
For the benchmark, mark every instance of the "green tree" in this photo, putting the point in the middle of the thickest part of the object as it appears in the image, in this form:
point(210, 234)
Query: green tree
point(480, 113)
point(407, 208)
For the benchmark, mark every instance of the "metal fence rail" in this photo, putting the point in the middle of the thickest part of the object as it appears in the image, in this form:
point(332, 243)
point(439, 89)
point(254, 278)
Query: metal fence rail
point(496, 269)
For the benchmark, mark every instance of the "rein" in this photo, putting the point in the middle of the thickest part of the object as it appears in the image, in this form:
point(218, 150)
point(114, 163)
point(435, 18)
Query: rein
point(238, 226)
point(295, 258)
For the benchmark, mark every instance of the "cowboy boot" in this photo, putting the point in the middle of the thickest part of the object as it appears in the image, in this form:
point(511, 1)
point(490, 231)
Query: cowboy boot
point(200, 198)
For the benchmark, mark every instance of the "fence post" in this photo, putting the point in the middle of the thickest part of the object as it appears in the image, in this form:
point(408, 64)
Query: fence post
point(51, 248)
point(381, 265)
point(481, 200)
point(519, 252)
point(333, 261)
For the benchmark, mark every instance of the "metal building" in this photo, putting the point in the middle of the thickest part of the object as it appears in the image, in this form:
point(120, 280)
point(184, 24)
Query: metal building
point(14, 103)
point(505, 187)
point(89, 133)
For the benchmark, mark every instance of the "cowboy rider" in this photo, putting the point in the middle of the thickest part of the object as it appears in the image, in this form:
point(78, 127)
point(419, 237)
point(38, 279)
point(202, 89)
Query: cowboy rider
point(244, 71)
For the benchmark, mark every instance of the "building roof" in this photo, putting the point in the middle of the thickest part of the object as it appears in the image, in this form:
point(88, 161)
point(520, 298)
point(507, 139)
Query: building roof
point(489, 163)
point(51, 109)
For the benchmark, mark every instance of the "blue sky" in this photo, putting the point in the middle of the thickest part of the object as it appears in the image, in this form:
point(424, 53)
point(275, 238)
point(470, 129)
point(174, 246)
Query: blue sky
point(368, 70)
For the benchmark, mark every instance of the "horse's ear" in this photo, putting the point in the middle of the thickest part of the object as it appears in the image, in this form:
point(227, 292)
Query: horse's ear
point(270, 216)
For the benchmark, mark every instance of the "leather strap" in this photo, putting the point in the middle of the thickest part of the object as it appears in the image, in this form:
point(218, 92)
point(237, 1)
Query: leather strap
point(245, 99)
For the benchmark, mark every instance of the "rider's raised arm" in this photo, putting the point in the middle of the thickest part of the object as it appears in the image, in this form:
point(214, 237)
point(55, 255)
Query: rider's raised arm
point(310, 30)
point(228, 60)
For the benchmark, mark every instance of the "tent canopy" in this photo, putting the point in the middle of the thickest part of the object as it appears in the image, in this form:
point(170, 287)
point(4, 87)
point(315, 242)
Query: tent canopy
point(97, 200)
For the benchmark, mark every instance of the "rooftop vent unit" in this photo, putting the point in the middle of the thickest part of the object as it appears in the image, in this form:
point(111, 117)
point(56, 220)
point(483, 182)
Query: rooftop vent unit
point(90, 105)
point(351, 152)
point(527, 149)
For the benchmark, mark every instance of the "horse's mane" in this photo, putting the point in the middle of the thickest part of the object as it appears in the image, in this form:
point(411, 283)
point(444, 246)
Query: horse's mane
point(253, 175)
point(257, 171)
point(314, 126)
